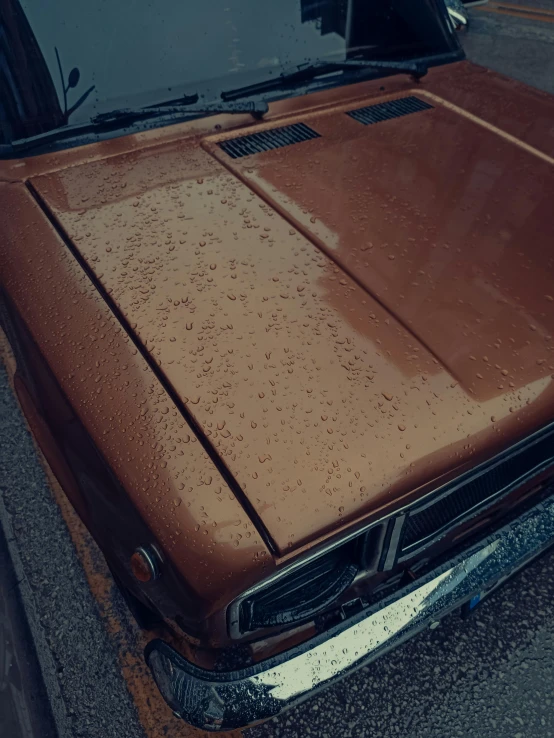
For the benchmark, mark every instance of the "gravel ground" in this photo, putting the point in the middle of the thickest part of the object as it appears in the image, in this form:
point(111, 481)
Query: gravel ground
point(87, 692)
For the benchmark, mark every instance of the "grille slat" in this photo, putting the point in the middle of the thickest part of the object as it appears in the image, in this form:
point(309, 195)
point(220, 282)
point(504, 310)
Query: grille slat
point(386, 111)
point(276, 138)
point(478, 492)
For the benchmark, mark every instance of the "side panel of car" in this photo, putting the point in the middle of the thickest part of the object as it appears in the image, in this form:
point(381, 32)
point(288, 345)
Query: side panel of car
point(109, 406)
point(79, 467)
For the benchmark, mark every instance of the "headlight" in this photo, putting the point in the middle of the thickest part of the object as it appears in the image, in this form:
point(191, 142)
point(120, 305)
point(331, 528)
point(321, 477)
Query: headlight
point(298, 596)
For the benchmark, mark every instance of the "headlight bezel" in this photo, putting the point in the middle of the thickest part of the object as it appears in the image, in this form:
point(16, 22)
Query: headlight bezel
point(360, 550)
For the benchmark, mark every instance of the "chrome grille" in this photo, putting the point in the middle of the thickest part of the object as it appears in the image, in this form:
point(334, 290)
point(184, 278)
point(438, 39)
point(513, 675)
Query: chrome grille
point(476, 491)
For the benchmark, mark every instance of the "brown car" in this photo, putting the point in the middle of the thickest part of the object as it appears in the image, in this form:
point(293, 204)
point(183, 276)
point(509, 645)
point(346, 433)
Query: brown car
point(278, 280)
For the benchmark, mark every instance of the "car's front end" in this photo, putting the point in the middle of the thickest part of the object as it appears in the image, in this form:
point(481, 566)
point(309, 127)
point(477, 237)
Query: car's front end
point(222, 700)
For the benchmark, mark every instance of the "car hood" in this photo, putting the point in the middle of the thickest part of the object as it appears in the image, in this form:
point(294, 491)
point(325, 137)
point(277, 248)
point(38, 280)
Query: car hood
point(345, 317)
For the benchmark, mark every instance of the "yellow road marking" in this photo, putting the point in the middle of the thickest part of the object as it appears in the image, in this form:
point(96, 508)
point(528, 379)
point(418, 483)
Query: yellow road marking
point(518, 7)
point(518, 11)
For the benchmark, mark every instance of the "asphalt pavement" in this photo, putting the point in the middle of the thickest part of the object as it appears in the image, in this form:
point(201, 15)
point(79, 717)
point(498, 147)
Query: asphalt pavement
point(24, 707)
point(76, 658)
point(518, 47)
point(490, 676)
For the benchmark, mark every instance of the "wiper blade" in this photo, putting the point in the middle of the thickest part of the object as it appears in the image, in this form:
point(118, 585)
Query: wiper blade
point(180, 109)
point(417, 69)
point(128, 116)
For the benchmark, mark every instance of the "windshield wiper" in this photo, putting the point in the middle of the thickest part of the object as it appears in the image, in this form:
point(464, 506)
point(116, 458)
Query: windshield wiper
point(302, 74)
point(180, 110)
point(128, 116)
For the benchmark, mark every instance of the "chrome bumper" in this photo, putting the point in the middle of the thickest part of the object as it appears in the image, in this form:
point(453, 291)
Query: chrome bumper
point(234, 699)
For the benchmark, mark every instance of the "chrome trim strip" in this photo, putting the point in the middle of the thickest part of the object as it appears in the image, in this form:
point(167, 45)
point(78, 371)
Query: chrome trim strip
point(234, 699)
point(392, 550)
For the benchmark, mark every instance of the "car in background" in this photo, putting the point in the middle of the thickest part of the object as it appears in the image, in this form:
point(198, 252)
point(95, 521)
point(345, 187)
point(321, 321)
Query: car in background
point(278, 290)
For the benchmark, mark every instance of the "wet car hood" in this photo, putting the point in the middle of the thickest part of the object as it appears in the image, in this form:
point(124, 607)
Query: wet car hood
point(345, 317)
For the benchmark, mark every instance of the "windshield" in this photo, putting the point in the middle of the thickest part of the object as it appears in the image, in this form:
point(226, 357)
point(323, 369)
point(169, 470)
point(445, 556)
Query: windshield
point(131, 54)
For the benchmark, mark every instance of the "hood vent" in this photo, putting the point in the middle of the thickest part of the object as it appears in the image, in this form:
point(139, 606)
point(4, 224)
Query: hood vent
point(275, 138)
point(387, 110)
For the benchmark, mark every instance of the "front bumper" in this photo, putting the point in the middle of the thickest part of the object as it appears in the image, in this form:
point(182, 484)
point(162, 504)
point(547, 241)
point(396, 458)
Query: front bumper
point(233, 699)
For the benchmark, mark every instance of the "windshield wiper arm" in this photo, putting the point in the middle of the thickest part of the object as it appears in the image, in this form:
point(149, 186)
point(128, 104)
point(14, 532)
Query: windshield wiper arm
point(417, 69)
point(129, 116)
point(180, 109)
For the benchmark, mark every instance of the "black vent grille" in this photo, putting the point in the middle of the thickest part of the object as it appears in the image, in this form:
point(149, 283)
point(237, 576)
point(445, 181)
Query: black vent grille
point(479, 491)
point(275, 138)
point(302, 593)
point(387, 110)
